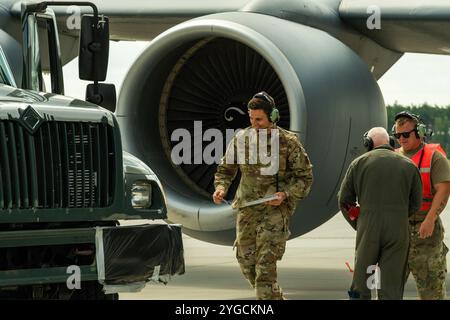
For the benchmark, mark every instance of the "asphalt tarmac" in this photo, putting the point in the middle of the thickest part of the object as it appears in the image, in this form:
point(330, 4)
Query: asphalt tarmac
point(313, 267)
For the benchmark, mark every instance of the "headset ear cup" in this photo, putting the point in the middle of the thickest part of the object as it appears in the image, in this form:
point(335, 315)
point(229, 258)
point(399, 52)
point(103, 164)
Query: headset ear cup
point(391, 141)
point(421, 131)
point(274, 115)
point(368, 142)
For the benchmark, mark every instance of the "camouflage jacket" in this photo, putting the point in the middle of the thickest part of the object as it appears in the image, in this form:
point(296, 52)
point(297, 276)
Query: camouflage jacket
point(258, 176)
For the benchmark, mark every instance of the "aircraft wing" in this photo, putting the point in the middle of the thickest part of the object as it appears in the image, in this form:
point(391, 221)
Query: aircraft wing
point(136, 20)
point(143, 19)
point(406, 26)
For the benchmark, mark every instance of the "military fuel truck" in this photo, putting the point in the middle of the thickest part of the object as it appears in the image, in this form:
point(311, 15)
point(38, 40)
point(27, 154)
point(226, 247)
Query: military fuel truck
point(65, 181)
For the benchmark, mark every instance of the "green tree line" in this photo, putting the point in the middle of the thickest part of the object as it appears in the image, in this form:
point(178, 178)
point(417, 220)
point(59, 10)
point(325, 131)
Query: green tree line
point(435, 117)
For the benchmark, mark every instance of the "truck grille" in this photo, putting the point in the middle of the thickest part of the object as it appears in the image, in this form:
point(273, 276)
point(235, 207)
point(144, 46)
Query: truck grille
point(62, 165)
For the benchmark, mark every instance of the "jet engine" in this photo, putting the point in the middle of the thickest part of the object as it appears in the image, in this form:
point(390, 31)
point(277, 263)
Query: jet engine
point(198, 76)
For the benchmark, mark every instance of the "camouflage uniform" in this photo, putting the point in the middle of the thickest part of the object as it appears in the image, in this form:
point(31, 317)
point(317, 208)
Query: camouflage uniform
point(427, 261)
point(262, 230)
point(427, 257)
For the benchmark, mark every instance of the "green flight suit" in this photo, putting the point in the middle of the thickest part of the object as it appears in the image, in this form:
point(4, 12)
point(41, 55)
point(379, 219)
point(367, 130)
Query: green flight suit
point(262, 230)
point(388, 188)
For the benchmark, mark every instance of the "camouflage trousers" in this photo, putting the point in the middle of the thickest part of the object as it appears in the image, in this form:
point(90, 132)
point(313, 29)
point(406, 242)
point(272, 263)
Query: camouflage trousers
point(261, 234)
point(427, 262)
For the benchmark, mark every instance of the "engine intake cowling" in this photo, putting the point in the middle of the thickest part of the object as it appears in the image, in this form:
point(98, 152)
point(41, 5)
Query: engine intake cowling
point(207, 69)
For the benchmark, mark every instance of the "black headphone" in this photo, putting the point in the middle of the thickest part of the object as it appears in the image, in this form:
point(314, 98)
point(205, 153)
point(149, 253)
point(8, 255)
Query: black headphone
point(368, 142)
point(420, 130)
point(274, 115)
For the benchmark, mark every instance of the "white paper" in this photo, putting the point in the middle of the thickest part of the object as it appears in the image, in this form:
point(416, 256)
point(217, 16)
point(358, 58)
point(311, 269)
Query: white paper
point(262, 200)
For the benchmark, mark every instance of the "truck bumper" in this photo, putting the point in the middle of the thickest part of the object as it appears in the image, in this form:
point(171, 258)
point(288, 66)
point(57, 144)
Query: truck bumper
point(124, 255)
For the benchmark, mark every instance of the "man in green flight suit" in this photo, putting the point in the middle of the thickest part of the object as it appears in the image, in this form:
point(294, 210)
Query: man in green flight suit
point(388, 188)
point(427, 252)
point(262, 229)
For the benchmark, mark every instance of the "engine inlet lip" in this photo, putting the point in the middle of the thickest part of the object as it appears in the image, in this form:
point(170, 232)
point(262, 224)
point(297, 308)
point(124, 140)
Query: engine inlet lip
point(207, 27)
point(185, 211)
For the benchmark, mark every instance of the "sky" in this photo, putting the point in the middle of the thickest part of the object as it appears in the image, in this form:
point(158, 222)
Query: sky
point(414, 79)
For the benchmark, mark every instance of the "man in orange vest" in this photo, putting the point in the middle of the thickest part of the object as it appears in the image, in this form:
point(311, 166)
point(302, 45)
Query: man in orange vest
point(427, 252)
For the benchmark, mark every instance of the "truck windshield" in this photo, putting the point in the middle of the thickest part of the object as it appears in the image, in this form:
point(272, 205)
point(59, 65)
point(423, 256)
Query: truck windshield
point(6, 76)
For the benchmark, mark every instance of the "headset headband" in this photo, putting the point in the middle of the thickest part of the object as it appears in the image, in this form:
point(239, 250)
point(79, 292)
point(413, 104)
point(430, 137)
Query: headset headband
point(265, 97)
point(409, 115)
point(420, 129)
point(273, 114)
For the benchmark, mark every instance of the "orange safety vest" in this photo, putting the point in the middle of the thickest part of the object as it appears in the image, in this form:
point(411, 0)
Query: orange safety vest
point(422, 160)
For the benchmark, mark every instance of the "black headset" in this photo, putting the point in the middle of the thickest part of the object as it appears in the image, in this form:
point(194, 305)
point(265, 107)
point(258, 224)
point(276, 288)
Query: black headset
point(368, 142)
point(274, 115)
point(420, 130)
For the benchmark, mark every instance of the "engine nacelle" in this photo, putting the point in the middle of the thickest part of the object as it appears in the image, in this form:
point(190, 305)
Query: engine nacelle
point(207, 69)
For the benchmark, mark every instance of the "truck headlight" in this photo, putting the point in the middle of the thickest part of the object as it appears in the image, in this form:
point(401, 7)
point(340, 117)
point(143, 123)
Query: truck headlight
point(141, 195)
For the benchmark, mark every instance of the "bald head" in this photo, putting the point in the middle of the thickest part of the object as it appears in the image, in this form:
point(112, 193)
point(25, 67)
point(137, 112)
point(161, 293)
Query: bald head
point(379, 136)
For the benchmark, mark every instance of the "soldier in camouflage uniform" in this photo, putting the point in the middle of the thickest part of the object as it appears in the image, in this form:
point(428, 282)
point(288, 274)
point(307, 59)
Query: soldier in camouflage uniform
point(262, 229)
point(427, 251)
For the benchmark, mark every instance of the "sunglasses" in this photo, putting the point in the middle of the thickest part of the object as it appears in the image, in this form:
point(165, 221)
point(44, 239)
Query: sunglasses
point(404, 134)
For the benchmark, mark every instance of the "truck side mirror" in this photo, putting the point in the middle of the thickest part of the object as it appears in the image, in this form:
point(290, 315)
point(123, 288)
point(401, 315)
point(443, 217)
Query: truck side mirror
point(105, 96)
point(94, 48)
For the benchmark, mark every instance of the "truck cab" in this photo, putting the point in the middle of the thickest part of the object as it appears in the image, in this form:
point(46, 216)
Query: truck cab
point(65, 182)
